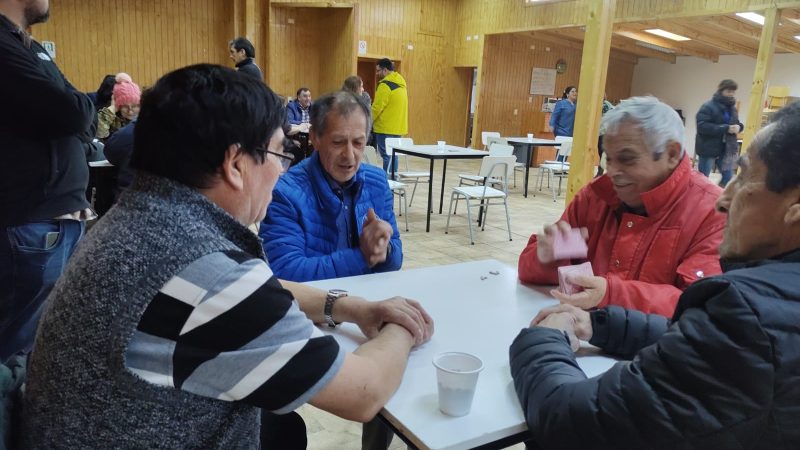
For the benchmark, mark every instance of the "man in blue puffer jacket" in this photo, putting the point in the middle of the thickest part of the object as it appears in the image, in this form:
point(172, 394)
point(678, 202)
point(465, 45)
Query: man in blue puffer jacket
point(331, 216)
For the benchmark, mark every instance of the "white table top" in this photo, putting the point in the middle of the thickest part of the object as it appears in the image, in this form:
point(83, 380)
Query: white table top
point(446, 151)
point(103, 163)
point(534, 141)
point(471, 314)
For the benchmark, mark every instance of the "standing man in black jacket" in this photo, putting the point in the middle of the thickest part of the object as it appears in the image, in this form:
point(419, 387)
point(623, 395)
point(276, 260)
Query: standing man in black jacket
point(724, 373)
point(44, 124)
point(243, 55)
point(717, 126)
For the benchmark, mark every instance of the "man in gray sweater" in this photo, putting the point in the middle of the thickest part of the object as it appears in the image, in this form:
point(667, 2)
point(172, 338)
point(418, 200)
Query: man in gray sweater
point(168, 329)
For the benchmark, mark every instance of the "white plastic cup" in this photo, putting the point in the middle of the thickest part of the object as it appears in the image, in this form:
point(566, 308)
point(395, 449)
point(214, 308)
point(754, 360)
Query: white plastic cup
point(530, 136)
point(456, 376)
point(440, 144)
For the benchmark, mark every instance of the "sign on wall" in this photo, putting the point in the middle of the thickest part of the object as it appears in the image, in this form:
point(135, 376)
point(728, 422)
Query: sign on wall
point(362, 47)
point(543, 81)
point(50, 47)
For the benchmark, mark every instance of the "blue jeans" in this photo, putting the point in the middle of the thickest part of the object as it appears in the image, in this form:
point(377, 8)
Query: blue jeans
point(380, 143)
point(32, 257)
point(705, 164)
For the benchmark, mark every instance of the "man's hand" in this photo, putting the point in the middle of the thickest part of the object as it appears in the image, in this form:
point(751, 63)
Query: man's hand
point(581, 323)
point(594, 291)
point(374, 239)
point(544, 240)
point(409, 314)
point(733, 129)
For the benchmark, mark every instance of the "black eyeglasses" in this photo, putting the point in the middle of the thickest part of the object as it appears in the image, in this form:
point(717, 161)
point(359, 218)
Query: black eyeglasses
point(286, 160)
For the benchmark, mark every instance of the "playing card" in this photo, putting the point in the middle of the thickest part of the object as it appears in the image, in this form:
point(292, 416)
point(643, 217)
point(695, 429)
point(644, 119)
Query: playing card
point(569, 245)
point(565, 286)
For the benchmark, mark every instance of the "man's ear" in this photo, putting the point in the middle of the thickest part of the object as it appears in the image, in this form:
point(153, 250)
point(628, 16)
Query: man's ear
point(233, 167)
point(673, 154)
point(792, 216)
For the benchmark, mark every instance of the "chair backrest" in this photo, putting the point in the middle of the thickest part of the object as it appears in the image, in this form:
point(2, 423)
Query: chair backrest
point(563, 154)
point(495, 140)
point(391, 143)
point(497, 149)
point(563, 139)
point(371, 156)
point(498, 167)
point(485, 135)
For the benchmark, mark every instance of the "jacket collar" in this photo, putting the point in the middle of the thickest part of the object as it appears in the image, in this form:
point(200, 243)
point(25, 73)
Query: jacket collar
point(656, 200)
point(245, 62)
point(788, 257)
point(322, 188)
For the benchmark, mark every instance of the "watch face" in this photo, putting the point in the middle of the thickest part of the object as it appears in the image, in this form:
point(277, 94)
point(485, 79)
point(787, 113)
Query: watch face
point(337, 293)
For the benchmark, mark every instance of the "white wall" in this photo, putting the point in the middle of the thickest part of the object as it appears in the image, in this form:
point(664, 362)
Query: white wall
point(691, 81)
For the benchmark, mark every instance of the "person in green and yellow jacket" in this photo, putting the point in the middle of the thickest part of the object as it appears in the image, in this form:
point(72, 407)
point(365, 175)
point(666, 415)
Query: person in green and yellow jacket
point(390, 108)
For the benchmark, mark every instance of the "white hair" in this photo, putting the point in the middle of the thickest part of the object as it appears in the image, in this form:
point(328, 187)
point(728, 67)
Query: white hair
point(659, 122)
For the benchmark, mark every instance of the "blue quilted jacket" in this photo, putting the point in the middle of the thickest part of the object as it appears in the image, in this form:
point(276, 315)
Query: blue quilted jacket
point(300, 231)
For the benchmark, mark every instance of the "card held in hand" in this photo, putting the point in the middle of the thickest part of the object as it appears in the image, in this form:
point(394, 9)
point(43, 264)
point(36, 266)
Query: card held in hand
point(570, 245)
point(564, 286)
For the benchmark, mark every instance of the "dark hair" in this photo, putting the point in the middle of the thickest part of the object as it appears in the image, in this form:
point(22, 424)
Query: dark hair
point(352, 83)
point(241, 43)
point(727, 84)
point(566, 91)
point(104, 92)
point(191, 116)
point(301, 90)
point(386, 63)
point(339, 102)
point(780, 149)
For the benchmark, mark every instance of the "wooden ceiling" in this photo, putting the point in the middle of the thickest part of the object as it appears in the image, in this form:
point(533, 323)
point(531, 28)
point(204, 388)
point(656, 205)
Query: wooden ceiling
point(710, 37)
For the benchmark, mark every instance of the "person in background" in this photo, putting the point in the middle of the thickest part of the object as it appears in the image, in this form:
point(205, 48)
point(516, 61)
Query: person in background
point(716, 143)
point(168, 329)
point(649, 222)
point(355, 85)
point(390, 109)
point(299, 110)
point(607, 106)
point(118, 151)
point(562, 119)
point(102, 97)
point(721, 374)
point(45, 125)
point(243, 54)
point(123, 109)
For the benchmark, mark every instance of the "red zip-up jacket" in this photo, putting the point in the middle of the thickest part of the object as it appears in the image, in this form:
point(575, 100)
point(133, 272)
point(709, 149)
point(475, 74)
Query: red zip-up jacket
point(648, 261)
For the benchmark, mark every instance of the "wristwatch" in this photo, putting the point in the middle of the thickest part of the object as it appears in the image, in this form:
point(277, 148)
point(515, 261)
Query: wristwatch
point(330, 299)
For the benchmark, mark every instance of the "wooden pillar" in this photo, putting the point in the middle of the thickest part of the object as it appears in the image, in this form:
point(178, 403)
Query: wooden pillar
point(250, 20)
point(766, 49)
point(591, 86)
point(476, 125)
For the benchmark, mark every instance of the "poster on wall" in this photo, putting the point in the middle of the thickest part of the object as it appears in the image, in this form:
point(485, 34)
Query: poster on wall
point(543, 81)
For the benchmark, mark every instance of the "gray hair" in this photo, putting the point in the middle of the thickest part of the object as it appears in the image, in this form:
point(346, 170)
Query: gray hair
point(339, 102)
point(658, 121)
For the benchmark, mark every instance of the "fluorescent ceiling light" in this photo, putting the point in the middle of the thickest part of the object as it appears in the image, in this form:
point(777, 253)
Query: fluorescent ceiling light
point(667, 34)
point(753, 17)
point(797, 37)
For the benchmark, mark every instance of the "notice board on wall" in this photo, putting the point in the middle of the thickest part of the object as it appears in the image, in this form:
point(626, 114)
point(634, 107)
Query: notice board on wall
point(543, 81)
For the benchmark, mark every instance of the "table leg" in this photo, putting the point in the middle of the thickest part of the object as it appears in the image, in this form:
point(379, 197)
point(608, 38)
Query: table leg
point(444, 173)
point(430, 199)
point(528, 169)
point(391, 166)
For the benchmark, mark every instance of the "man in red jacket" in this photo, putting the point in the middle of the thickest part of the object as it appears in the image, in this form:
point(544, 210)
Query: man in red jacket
point(649, 222)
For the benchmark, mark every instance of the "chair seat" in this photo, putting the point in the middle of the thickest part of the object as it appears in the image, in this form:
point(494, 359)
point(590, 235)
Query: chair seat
point(555, 167)
point(413, 174)
point(550, 161)
point(478, 192)
point(393, 185)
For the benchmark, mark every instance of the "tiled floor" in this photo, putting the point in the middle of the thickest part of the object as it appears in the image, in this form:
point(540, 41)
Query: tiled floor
point(422, 249)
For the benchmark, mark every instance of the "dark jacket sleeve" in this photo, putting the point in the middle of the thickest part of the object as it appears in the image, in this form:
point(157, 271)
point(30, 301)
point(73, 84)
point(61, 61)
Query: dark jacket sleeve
point(31, 97)
point(693, 388)
point(623, 332)
point(708, 124)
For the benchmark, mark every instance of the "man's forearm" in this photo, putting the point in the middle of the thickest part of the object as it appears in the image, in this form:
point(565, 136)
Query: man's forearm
point(312, 303)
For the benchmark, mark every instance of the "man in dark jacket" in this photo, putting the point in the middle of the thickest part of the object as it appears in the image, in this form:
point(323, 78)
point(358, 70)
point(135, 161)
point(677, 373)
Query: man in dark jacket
point(723, 373)
point(44, 127)
point(717, 127)
point(243, 55)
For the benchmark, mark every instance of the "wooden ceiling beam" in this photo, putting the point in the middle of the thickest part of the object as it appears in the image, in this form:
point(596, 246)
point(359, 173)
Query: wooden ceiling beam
point(678, 47)
point(619, 43)
point(705, 38)
point(570, 42)
point(729, 24)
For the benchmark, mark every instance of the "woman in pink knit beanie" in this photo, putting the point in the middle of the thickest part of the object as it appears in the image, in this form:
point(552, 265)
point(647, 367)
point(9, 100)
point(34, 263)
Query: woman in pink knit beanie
point(123, 109)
